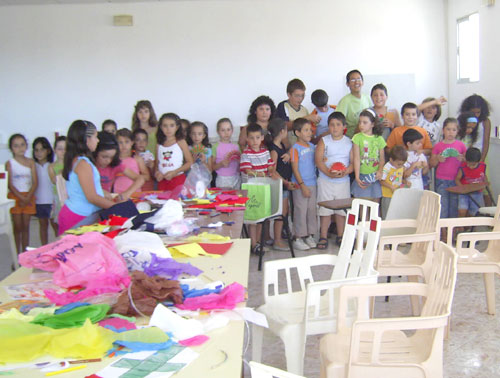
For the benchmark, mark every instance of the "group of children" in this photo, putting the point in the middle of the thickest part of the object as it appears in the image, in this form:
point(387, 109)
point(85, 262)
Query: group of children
point(332, 153)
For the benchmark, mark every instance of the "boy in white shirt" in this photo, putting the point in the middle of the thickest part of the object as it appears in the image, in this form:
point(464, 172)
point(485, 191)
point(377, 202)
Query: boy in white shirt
point(416, 164)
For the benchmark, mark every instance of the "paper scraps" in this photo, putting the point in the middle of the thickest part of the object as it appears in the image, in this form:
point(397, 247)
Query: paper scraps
point(205, 236)
point(169, 321)
point(226, 299)
point(195, 341)
point(169, 268)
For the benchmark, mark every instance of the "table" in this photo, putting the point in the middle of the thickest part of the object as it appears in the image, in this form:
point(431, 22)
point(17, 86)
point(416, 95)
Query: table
point(231, 267)
point(337, 204)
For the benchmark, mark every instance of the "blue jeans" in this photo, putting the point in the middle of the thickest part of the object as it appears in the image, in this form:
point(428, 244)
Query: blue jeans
point(449, 201)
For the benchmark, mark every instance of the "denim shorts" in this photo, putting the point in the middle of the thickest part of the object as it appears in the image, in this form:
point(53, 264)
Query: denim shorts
point(466, 203)
point(373, 190)
point(449, 201)
point(43, 211)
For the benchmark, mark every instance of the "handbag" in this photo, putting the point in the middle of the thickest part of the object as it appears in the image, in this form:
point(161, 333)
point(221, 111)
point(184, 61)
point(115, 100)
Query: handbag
point(258, 205)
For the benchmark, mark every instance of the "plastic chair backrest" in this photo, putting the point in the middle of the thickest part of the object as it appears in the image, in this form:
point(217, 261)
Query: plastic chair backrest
point(441, 282)
point(359, 243)
point(428, 212)
point(4, 182)
point(61, 189)
point(405, 203)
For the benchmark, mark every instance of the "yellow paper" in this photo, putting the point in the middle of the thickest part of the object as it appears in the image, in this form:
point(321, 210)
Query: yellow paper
point(192, 250)
point(204, 236)
point(201, 201)
point(14, 313)
point(84, 229)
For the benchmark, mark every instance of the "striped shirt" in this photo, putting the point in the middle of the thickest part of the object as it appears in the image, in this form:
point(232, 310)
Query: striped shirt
point(257, 161)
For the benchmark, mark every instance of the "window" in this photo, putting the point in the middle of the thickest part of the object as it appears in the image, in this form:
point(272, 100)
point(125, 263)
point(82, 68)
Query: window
point(468, 48)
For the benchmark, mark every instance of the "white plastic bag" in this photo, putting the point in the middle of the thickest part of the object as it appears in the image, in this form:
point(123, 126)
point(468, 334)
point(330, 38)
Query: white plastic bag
point(198, 179)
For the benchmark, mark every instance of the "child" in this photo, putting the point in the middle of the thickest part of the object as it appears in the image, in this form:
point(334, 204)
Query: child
point(291, 109)
point(56, 169)
point(368, 146)
point(140, 138)
point(333, 183)
point(389, 117)
point(319, 98)
point(304, 176)
point(430, 111)
point(200, 147)
point(469, 131)
point(44, 194)
point(130, 163)
point(83, 184)
point(471, 171)
point(109, 126)
point(278, 131)
point(353, 103)
point(173, 158)
point(108, 163)
point(22, 184)
point(409, 114)
point(144, 117)
point(416, 165)
point(447, 155)
point(481, 110)
point(226, 157)
point(392, 176)
point(255, 162)
point(185, 126)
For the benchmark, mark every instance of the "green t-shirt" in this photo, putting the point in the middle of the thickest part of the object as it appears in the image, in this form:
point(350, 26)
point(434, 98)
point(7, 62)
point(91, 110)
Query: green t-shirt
point(369, 151)
point(350, 106)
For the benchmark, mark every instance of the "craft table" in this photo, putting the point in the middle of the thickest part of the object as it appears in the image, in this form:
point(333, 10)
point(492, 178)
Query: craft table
point(212, 361)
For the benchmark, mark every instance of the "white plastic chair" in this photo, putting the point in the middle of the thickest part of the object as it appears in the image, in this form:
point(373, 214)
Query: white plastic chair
point(311, 308)
point(470, 259)
point(383, 347)
point(5, 221)
point(276, 187)
point(263, 371)
point(61, 189)
point(405, 203)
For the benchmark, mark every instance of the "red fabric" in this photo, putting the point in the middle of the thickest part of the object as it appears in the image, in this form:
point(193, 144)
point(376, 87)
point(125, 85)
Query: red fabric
point(165, 185)
point(114, 221)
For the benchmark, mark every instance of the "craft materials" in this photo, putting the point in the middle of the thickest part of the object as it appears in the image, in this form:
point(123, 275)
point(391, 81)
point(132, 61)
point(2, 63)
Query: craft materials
point(85, 361)
point(73, 368)
point(73, 318)
point(169, 268)
point(226, 299)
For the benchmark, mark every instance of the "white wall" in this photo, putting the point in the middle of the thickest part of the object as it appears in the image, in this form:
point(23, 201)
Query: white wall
point(206, 59)
point(489, 55)
point(489, 70)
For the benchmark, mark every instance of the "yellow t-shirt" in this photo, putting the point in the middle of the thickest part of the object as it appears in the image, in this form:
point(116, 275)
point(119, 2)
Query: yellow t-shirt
point(392, 176)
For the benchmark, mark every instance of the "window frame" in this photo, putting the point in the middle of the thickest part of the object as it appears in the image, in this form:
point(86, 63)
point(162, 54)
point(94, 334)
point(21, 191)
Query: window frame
point(460, 46)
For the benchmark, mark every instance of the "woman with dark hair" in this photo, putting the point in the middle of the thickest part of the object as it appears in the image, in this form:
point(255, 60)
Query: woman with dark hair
point(261, 112)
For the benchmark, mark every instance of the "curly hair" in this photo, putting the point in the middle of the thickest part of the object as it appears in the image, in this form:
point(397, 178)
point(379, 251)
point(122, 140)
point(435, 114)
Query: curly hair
point(261, 100)
point(160, 135)
point(476, 101)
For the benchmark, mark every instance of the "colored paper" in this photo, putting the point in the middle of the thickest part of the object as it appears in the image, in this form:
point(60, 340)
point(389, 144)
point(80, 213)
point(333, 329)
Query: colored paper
point(226, 299)
point(73, 318)
point(117, 323)
point(195, 341)
point(169, 321)
point(169, 268)
point(84, 229)
point(216, 248)
point(205, 236)
point(192, 250)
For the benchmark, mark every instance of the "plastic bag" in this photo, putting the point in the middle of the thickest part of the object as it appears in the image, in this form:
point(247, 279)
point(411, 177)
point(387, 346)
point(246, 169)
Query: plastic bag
point(258, 205)
point(136, 248)
point(198, 179)
point(90, 260)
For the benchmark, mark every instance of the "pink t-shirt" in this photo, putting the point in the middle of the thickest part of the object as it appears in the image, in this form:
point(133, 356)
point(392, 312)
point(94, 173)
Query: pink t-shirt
point(220, 151)
point(108, 175)
point(122, 182)
point(449, 169)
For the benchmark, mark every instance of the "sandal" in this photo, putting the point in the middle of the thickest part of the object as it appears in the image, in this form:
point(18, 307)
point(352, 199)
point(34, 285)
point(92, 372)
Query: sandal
point(338, 240)
point(322, 243)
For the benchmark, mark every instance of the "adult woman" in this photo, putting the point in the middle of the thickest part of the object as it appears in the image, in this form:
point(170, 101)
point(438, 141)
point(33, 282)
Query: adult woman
point(261, 111)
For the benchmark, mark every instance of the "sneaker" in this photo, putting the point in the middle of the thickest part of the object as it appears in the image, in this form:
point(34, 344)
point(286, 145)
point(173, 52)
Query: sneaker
point(255, 249)
point(282, 247)
point(300, 245)
point(310, 241)
point(269, 242)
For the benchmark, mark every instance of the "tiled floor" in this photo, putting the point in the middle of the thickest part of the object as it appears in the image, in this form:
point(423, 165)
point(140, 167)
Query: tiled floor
point(471, 351)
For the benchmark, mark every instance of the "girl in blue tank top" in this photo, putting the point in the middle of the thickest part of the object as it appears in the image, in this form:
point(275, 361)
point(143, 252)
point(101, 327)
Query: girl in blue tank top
point(83, 182)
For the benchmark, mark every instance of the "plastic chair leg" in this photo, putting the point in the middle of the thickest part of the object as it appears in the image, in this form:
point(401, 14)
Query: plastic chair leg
point(294, 351)
point(257, 336)
point(489, 285)
point(260, 251)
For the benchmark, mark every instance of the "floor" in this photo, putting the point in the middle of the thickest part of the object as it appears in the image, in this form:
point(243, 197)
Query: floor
point(471, 351)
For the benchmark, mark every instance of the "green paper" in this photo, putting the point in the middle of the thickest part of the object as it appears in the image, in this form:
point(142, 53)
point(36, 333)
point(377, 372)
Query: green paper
point(73, 318)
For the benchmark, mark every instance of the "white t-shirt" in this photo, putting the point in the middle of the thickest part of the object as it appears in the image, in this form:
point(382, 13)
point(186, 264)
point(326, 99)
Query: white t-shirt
point(434, 129)
point(416, 176)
